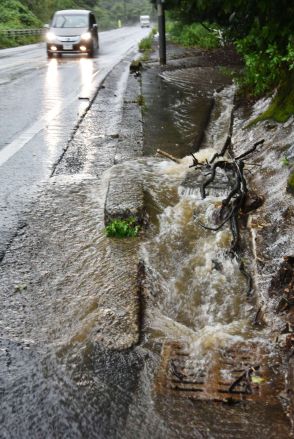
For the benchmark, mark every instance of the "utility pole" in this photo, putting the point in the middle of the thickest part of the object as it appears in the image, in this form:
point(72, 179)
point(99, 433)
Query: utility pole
point(161, 31)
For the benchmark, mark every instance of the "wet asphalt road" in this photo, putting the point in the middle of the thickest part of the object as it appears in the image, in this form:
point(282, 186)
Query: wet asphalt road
point(41, 103)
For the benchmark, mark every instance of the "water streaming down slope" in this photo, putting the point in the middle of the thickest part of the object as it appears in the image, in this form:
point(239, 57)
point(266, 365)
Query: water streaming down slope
point(196, 284)
point(198, 288)
point(196, 295)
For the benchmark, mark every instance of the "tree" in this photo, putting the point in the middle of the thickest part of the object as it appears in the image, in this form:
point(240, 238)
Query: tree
point(261, 30)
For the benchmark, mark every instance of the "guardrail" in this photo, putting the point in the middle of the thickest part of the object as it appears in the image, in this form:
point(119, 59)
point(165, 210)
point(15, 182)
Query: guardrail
point(19, 32)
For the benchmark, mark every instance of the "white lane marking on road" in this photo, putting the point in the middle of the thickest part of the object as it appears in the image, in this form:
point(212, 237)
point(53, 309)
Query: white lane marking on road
point(16, 145)
point(12, 148)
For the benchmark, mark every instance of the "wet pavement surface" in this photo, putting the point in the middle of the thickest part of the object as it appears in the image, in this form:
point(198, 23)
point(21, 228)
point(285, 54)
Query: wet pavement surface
point(42, 103)
point(83, 338)
point(60, 251)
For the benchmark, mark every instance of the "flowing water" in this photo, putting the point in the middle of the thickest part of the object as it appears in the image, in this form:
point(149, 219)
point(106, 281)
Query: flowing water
point(56, 380)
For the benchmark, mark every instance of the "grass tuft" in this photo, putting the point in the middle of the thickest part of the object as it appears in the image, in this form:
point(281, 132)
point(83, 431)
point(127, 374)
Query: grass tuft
point(123, 228)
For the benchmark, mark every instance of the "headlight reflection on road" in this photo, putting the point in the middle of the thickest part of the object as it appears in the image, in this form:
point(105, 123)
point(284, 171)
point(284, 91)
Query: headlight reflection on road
point(86, 69)
point(52, 87)
point(52, 105)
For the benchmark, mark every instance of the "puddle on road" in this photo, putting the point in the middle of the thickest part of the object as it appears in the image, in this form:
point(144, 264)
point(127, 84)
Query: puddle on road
point(58, 381)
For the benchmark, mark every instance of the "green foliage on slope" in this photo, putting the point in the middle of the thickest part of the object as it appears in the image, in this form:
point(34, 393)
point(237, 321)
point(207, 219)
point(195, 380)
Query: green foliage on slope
point(282, 106)
point(32, 13)
point(16, 15)
point(262, 32)
point(107, 12)
point(192, 35)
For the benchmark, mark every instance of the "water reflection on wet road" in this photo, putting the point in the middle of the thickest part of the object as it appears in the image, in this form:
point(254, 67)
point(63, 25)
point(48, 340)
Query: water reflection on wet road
point(41, 103)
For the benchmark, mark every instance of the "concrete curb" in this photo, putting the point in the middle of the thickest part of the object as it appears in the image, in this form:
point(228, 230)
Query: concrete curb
point(125, 193)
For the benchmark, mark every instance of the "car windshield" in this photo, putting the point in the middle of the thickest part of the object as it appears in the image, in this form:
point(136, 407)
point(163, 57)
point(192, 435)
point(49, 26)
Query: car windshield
point(70, 21)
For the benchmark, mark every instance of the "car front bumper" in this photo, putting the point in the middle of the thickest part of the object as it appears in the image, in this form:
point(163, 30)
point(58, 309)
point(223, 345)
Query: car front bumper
point(75, 48)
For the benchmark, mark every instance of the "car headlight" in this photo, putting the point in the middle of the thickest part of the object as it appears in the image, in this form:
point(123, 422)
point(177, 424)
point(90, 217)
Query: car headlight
point(50, 36)
point(86, 36)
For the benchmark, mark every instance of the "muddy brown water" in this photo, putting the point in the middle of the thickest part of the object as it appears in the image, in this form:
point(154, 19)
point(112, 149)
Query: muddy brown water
point(56, 380)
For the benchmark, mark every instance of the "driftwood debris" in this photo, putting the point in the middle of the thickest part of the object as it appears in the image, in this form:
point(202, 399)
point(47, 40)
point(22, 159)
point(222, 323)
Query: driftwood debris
point(235, 204)
point(245, 378)
point(169, 156)
point(176, 372)
point(258, 317)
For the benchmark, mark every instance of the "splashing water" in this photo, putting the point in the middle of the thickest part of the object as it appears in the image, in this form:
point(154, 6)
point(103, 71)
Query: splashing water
point(198, 290)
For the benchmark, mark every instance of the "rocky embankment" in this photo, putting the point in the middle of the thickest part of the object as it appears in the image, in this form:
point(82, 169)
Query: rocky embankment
point(267, 231)
point(271, 227)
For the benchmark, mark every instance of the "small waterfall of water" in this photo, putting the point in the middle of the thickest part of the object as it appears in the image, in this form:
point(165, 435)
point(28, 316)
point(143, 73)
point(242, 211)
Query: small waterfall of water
point(197, 288)
point(220, 121)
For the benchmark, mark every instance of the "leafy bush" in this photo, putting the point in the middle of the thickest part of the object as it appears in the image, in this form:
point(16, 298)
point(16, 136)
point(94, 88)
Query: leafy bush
point(16, 15)
point(192, 35)
point(146, 43)
point(262, 31)
point(266, 62)
point(282, 106)
point(123, 228)
point(6, 42)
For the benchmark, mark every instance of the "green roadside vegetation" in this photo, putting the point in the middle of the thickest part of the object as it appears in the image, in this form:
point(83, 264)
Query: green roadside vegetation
point(16, 15)
point(192, 35)
point(262, 33)
point(145, 45)
point(122, 228)
point(29, 14)
point(282, 105)
point(6, 42)
point(290, 183)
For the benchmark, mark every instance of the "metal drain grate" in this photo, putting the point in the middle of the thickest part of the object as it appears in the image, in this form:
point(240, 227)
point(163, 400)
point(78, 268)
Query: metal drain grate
point(237, 373)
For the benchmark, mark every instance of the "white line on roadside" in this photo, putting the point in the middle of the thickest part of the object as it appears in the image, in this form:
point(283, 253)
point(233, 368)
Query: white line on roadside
point(16, 145)
point(12, 148)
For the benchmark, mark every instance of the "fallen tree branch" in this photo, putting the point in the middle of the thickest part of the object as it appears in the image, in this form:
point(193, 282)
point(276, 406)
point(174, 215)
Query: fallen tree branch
point(222, 164)
point(246, 377)
point(169, 156)
point(224, 149)
point(260, 142)
point(247, 276)
point(234, 203)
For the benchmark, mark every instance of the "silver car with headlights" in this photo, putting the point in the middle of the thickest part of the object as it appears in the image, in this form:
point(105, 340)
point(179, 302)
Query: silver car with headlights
point(72, 31)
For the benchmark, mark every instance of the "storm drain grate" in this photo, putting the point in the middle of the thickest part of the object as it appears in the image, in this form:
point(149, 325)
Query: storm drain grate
point(236, 373)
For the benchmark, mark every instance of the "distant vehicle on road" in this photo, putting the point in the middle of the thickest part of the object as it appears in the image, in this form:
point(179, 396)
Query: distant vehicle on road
point(144, 20)
point(72, 31)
